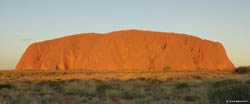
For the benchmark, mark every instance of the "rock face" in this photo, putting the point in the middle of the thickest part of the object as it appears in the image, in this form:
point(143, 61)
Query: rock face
point(129, 49)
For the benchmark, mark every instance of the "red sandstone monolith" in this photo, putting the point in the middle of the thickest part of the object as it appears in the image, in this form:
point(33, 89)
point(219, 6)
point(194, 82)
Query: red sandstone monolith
point(129, 49)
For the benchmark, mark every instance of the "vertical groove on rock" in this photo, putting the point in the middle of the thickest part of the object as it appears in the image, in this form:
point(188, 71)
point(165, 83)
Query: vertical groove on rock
point(152, 64)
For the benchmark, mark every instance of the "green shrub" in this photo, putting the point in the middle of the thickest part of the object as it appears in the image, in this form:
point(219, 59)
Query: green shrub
point(128, 95)
point(248, 81)
point(73, 88)
point(135, 93)
point(225, 83)
point(196, 77)
point(50, 83)
point(101, 89)
point(114, 95)
point(242, 70)
point(8, 86)
point(233, 92)
point(191, 98)
point(48, 99)
point(181, 85)
point(45, 90)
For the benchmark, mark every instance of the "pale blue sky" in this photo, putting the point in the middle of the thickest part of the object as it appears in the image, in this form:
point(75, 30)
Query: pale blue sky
point(23, 22)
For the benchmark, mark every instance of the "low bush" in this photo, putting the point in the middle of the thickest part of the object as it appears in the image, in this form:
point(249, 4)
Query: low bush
point(248, 81)
point(225, 83)
point(191, 98)
point(182, 85)
point(114, 95)
point(50, 83)
point(101, 89)
point(232, 92)
point(242, 70)
point(196, 77)
point(8, 86)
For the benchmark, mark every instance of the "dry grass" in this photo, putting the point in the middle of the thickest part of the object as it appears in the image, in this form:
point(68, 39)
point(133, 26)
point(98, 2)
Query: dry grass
point(39, 75)
point(119, 87)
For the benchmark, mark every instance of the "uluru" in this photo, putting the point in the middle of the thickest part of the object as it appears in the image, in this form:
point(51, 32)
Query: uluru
point(126, 49)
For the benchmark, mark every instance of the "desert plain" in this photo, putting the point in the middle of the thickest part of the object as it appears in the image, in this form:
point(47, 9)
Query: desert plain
point(125, 67)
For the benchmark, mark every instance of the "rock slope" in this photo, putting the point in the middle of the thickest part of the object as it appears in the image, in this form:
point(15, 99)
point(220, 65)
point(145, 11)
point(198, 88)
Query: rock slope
point(128, 49)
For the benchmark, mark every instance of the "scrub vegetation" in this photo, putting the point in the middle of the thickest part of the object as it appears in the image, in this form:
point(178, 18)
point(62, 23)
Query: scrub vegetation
point(123, 87)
